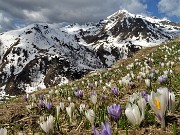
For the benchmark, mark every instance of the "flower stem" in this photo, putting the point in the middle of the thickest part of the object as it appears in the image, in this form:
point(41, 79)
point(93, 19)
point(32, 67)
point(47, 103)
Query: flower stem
point(163, 123)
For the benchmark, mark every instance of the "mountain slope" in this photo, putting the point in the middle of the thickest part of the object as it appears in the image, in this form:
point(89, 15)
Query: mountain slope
point(127, 76)
point(43, 55)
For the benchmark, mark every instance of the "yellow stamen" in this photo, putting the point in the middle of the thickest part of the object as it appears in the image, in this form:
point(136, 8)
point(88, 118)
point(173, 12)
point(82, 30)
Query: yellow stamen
point(157, 103)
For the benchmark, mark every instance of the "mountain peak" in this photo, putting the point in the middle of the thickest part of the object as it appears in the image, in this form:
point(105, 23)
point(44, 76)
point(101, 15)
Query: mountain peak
point(120, 13)
point(43, 55)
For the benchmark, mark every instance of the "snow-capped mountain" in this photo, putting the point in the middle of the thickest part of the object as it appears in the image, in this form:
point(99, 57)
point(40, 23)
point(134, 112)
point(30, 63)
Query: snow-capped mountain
point(44, 55)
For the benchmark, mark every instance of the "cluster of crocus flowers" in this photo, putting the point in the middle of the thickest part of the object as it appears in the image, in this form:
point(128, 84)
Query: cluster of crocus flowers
point(78, 93)
point(135, 109)
point(159, 102)
point(48, 124)
point(70, 110)
point(114, 112)
point(105, 129)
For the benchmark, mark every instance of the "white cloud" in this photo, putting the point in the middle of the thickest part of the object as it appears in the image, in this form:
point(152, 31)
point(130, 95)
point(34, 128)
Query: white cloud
point(134, 6)
point(79, 11)
point(5, 22)
point(36, 16)
point(169, 7)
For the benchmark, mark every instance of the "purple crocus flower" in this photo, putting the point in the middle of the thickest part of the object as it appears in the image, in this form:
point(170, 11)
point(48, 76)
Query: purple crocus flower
point(26, 97)
point(93, 92)
point(48, 105)
point(162, 79)
point(114, 91)
point(40, 102)
point(105, 129)
point(78, 93)
point(151, 75)
point(91, 85)
point(114, 112)
point(145, 95)
point(95, 131)
point(169, 89)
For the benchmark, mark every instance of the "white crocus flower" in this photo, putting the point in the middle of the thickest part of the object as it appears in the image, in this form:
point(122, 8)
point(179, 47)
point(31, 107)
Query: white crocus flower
point(72, 105)
point(61, 104)
point(104, 88)
point(120, 82)
point(21, 133)
point(57, 92)
point(90, 115)
point(3, 131)
point(171, 103)
point(51, 92)
point(82, 107)
point(100, 81)
point(69, 99)
point(133, 114)
point(133, 97)
point(69, 112)
point(147, 82)
point(57, 110)
point(93, 98)
point(142, 105)
point(158, 102)
point(96, 83)
point(48, 124)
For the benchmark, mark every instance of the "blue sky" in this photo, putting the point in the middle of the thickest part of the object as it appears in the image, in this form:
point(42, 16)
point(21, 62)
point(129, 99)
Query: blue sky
point(15, 14)
point(152, 8)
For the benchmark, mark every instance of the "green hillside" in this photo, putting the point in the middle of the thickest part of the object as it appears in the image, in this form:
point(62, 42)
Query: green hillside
point(159, 66)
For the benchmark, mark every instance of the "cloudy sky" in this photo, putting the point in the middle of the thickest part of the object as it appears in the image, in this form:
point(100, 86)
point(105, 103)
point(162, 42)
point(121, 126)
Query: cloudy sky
point(18, 13)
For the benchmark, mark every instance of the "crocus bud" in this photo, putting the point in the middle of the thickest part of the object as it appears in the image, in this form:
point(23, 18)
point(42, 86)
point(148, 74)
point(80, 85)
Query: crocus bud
point(61, 104)
point(69, 112)
point(90, 115)
point(57, 111)
point(69, 99)
point(48, 105)
point(171, 102)
point(147, 82)
point(47, 125)
point(93, 98)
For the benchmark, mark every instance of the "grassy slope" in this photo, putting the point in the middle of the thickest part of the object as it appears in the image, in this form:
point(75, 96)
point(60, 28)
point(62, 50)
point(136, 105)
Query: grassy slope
point(14, 115)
